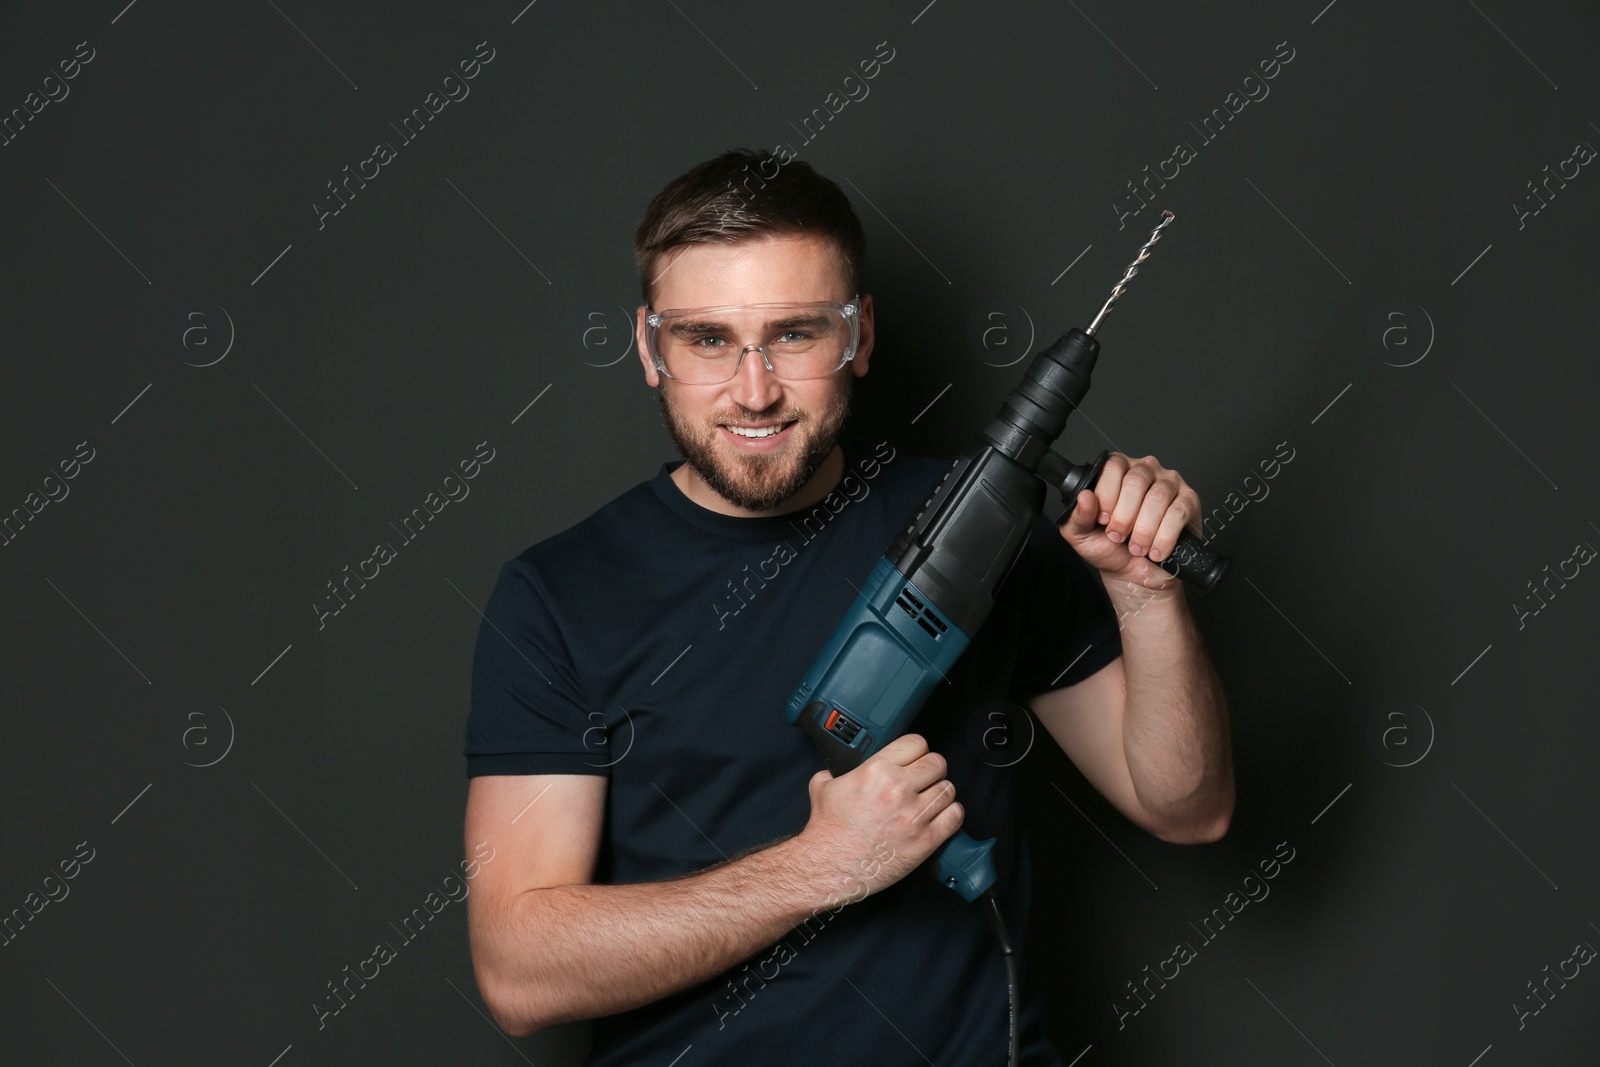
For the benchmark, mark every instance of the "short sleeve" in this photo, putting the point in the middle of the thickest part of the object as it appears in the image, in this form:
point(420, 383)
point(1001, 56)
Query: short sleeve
point(528, 713)
point(1069, 627)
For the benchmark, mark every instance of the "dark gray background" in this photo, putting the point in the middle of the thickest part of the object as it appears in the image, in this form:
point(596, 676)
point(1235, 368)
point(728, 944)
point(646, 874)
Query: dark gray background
point(163, 609)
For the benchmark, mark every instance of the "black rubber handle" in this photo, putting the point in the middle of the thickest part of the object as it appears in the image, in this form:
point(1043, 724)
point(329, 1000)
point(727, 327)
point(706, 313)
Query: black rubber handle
point(1196, 564)
point(1191, 560)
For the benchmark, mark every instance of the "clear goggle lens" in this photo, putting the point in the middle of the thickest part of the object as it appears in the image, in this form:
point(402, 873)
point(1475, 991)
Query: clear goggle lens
point(706, 346)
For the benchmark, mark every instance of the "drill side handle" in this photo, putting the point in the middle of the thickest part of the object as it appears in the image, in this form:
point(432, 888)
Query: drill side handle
point(1191, 559)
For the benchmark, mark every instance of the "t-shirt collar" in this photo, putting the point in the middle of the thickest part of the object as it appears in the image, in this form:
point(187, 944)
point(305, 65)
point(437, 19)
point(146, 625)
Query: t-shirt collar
point(736, 527)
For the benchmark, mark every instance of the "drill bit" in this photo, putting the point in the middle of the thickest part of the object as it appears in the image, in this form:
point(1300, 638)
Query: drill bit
point(1133, 268)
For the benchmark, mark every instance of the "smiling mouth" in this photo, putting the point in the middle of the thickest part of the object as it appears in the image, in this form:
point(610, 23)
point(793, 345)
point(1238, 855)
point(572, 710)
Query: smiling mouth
point(757, 433)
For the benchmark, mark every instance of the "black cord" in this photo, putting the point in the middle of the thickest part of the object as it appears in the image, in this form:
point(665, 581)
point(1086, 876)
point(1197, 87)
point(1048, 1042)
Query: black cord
point(998, 922)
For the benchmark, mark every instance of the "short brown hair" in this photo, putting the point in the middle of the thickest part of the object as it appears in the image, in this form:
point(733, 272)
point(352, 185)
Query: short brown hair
point(744, 194)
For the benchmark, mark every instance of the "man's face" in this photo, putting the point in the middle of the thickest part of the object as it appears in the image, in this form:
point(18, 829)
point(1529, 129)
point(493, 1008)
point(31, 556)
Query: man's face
point(755, 476)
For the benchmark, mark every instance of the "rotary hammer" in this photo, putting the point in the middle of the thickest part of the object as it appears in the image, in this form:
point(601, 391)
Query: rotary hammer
point(931, 591)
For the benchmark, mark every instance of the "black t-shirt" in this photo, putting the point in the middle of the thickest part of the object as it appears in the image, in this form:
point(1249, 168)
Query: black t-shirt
point(657, 643)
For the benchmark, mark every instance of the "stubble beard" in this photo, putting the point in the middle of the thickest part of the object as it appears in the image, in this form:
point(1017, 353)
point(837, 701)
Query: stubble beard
point(758, 481)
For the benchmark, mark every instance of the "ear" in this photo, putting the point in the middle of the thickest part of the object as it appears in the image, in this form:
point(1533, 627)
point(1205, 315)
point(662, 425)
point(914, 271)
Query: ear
point(652, 377)
point(858, 365)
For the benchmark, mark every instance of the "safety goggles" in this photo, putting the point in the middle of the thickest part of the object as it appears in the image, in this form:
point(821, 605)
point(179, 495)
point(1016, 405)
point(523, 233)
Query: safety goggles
point(797, 342)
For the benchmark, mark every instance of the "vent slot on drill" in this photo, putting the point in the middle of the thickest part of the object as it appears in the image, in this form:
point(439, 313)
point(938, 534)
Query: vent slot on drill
point(922, 614)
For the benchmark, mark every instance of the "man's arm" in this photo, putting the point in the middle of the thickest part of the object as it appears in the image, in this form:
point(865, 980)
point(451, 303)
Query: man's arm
point(1150, 729)
point(548, 947)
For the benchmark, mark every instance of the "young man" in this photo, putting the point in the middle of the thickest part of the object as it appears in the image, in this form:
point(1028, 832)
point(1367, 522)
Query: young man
point(669, 855)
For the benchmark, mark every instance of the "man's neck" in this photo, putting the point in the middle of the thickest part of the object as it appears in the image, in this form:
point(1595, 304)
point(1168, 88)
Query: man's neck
point(820, 485)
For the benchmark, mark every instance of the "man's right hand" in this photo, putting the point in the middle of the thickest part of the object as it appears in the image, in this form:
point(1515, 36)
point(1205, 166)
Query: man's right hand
point(873, 825)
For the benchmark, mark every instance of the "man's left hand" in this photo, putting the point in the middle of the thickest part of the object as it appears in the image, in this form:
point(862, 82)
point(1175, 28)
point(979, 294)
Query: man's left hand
point(1131, 517)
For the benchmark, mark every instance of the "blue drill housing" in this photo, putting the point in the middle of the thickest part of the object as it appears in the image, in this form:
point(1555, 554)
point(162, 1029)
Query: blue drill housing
point(869, 682)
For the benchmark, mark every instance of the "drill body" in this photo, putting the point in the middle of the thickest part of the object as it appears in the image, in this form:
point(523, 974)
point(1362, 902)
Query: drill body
point(926, 598)
point(931, 591)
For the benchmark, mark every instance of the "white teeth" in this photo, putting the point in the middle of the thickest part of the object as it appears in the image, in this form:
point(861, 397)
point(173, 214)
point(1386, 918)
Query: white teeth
point(764, 431)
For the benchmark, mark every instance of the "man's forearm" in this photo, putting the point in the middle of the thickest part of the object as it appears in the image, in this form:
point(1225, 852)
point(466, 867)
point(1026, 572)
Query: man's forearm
point(582, 951)
point(1175, 725)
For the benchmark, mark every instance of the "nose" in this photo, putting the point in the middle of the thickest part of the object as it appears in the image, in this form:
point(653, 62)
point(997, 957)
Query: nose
point(753, 385)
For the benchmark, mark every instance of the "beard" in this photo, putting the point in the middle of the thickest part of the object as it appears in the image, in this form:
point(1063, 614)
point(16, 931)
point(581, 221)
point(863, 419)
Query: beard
point(760, 481)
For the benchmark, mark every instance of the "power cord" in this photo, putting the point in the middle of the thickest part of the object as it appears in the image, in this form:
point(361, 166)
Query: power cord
point(998, 922)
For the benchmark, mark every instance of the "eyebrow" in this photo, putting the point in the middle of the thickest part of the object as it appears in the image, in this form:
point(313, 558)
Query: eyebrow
point(703, 326)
